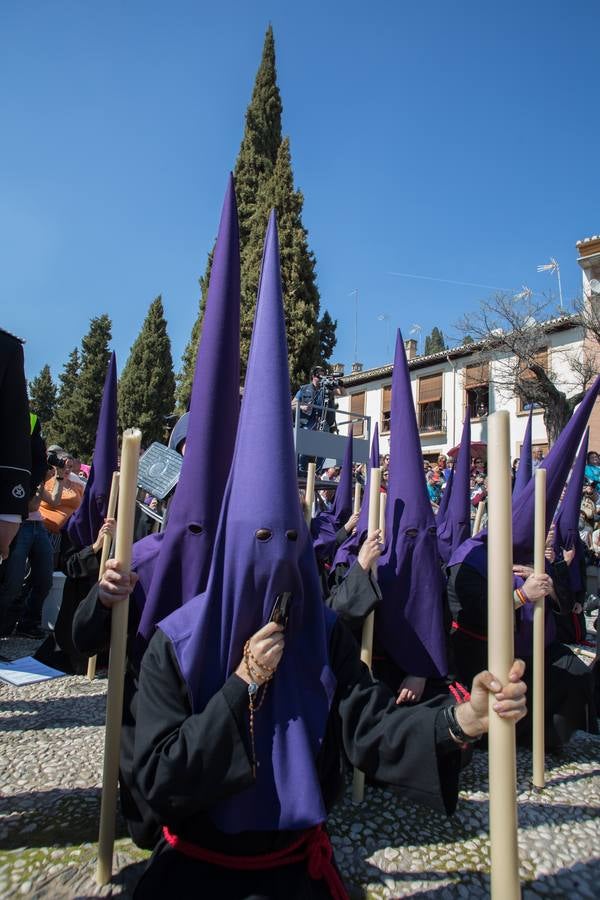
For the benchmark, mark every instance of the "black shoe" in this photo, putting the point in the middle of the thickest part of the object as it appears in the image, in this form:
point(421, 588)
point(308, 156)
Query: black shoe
point(26, 629)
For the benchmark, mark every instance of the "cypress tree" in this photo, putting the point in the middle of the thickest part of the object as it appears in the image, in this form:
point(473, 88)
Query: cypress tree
point(147, 385)
point(435, 342)
point(79, 419)
point(42, 396)
point(56, 430)
point(263, 179)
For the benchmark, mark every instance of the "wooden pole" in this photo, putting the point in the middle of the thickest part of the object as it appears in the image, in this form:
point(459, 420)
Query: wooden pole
point(479, 515)
point(366, 649)
point(106, 546)
point(539, 650)
point(501, 739)
point(130, 453)
point(309, 496)
point(357, 497)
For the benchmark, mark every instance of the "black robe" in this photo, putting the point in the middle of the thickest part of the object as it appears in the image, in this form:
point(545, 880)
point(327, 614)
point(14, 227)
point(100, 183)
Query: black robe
point(569, 702)
point(186, 763)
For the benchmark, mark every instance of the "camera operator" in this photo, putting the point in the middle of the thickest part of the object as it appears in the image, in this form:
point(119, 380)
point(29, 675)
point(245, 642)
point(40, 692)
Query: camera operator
point(317, 407)
point(320, 392)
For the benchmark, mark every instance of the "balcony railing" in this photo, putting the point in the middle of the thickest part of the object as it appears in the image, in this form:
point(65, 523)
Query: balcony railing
point(431, 420)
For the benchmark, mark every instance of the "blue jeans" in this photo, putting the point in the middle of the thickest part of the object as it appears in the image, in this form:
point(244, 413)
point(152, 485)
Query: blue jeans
point(31, 542)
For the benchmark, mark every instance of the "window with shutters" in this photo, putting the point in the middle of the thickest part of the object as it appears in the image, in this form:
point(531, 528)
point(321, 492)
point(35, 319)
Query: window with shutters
point(357, 408)
point(477, 389)
point(430, 414)
point(541, 358)
point(386, 408)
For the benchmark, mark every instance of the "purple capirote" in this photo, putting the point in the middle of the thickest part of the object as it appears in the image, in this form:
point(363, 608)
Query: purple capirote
point(326, 524)
point(85, 523)
point(525, 467)
point(347, 552)
point(179, 570)
point(263, 548)
point(409, 620)
point(566, 523)
point(440, 515)
point(557, 464)
point(455, 526)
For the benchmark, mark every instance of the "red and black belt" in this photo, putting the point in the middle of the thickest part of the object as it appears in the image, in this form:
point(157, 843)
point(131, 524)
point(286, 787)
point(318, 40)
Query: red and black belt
point(471, 634)
point(313, 847)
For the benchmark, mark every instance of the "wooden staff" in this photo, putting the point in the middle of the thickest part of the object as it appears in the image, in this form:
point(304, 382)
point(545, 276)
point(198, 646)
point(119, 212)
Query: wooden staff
point(501, 739)
point(366, 649)
point(382, 502)
point(106, 546)
point(309, 495)
point(130, 454)
point(539, 650)
point(357, 497)
point(479, 517)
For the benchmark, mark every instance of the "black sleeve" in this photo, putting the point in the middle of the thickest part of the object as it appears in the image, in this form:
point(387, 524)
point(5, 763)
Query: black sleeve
point(403, 746)
point(81, 563)
point(353, 594)
point(39, 463)
point(340, 536)
point(467, 597)
point(15, 446)
point(91, 624)
point(176, 768)
point(562, 588)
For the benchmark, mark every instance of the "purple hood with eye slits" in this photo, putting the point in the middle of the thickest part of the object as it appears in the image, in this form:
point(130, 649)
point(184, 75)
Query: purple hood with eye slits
point(261, 549)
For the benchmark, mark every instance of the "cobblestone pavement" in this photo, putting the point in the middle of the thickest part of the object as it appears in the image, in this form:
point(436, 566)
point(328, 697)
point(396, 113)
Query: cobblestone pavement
point(50, 775)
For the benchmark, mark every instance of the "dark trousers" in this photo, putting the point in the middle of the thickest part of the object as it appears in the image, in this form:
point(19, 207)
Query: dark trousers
point(31, 543)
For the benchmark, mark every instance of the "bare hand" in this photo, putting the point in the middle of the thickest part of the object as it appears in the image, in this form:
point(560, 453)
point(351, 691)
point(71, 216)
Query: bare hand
point(537, 587)
point(115, 585)
point(509, 701)
point(351, 523)
point(8, 531)
point(371, 550)
point(266, 646)
point(523, 571)
point(411, 689)
point(109, 526)
point(577, 608)
point(549, 554)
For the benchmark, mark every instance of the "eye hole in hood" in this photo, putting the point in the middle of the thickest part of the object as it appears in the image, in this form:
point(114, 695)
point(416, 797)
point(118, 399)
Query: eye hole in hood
point(263, 534)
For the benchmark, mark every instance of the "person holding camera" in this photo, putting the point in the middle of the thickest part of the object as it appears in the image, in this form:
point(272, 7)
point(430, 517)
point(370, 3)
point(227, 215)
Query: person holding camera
point(317, 406)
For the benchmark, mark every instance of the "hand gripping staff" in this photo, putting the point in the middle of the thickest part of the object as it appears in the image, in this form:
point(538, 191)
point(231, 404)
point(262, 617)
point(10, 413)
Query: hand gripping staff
point(366, 648)
point(106, 548)
point(130, 453)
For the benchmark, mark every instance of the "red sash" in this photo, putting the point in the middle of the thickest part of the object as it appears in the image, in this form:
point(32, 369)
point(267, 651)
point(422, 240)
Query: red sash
point(313, 846)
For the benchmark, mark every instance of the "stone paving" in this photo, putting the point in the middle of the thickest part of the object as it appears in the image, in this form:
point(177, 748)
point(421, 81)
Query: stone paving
point(50, 775)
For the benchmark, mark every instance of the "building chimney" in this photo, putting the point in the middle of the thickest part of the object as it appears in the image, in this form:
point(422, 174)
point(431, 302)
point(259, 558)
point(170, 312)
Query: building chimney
point(338, 369)
point(411, 348)
point(357, 367)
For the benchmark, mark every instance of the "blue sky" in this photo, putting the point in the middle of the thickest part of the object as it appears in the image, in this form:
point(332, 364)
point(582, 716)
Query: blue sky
point(454, 140)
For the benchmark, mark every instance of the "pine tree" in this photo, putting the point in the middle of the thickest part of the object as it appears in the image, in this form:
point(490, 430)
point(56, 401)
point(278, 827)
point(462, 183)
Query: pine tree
point(147, 385)
point(42, 397)
point(55, 430)
point(263, 179)
point(327, 337)
point(434, 342)
point(79, 414)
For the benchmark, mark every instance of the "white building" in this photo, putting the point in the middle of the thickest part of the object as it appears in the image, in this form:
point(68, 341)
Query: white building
point(445, 383)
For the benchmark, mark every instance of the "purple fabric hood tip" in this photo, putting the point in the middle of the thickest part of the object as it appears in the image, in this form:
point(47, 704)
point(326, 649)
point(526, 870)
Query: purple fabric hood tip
point(558, 464)
point(83, 526)
point(263, 548)
point(566, 524)
point(348, 551)
point(326, 525)
point(455, 527)
point(179, 570)
point(409, 620)
point(525, 468)
point(440, 516)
